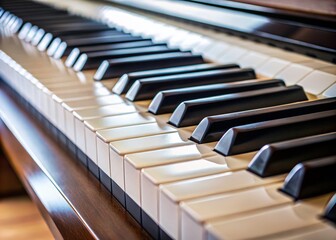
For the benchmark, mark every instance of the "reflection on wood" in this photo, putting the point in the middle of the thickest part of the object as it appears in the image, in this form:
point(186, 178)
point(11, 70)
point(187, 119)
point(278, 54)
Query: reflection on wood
point(323, 7)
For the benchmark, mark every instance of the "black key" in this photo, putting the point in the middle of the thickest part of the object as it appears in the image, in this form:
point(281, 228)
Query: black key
point(330, 211)
point(110, 32)
point(127, 80)
point(55, 38)
point(166, 101)
point(48, 23)
point(66, 47)
point(312, 178)
point(76, 26)
point(147, 88)
point(278, 158)
point(40, 15)
point(76, 52)
point(212, 128)
point(193, 111)
point(118, 67)
point(93, 60)
point(66, 36)
point(251, 137)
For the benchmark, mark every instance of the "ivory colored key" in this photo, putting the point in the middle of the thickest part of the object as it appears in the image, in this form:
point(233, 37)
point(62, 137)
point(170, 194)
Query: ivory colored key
point(317, 82)
point(295, 72)
point(78, 104)
point(137, 161)
point(128, 132)
point(318, 231)
point(275, 222)
point(113, 160)
point(93, 125)
point(196, 213)
point(330, 92)
point(105, 136)
point(81, 115)
point(47, 97)
point(153, 177)
point(57, 99)
point(272, 67)
point(170, 195)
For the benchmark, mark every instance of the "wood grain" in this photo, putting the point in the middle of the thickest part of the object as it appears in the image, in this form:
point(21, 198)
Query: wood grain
point(20, 219)
point(74, 203)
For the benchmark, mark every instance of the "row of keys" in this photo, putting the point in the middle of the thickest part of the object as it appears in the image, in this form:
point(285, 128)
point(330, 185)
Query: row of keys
point(143, 144)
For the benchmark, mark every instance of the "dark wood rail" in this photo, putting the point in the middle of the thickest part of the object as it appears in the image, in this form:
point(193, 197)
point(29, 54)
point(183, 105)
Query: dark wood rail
point(73, 202)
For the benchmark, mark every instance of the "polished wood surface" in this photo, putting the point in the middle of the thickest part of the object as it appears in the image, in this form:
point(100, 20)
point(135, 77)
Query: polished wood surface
point(20, 219)
point(323, 7)
point(74, 203)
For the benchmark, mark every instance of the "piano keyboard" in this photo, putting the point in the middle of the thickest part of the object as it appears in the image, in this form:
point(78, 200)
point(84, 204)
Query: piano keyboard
point(198, 136)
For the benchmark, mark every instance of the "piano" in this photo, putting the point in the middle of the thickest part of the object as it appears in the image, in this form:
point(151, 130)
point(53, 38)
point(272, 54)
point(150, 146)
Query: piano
point(171, 119)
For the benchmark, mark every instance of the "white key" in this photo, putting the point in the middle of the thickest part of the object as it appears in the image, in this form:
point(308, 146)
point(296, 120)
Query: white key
point(272, 67)
point(177, 38)
point(38, 36)
point(215, 50)
point(119, 149)
point(135, 131)
point(24, 30)
point(232, 55)
point(72, 105)
point(317, 82)
point(204, 44)
point(165, 34)
point(68, 111)
point(137, 161)
point(104, 137)
point(191, 41)
point(170, 195)
point(274, 222)
point(317, 231)
point(253, 59)
point(293, 73)
point(81, 115)
point(31, 34)
point(331, 91)
point(93, 125)
point(84, 92)
point(44, 43)
point(152, 178)
point(196, 213)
